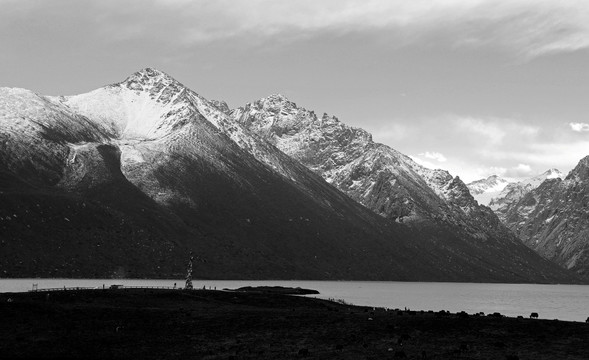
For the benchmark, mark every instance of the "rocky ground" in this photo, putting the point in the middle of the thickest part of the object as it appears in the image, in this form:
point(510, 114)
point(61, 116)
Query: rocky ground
point(202, 324)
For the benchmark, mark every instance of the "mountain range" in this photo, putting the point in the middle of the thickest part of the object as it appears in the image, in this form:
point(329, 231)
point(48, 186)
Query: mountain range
point(128, 179)
point(514, 191)
point(550, 214)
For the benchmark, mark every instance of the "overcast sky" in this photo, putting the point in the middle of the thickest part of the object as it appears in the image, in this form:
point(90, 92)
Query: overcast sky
point(477, 87)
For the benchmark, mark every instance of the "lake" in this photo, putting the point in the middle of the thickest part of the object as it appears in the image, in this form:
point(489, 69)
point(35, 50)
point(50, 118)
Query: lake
point(563, 302)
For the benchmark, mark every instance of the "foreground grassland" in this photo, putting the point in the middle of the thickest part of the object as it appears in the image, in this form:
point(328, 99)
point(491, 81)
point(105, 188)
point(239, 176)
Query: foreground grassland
point(201, 324)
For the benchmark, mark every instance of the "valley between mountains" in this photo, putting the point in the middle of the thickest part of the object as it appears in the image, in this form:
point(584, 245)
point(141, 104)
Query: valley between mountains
point(126, 180)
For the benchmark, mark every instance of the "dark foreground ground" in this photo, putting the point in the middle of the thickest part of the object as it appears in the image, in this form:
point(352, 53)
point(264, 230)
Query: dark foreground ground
point(200, 324)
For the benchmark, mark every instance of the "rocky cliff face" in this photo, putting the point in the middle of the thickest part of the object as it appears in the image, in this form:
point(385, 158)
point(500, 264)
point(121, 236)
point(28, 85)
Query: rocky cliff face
point(382, 179)
point(126, 179)
point(553, 218)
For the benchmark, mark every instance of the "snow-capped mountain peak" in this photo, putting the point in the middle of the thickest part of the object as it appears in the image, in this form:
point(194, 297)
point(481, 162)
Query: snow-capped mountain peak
point(553, 174)
point(151, 105)
point(275, 99)
point(535, 181)
point(484, 190)
point(513, 192)
point(491, 184)
point(138, 108)
point(148, 77)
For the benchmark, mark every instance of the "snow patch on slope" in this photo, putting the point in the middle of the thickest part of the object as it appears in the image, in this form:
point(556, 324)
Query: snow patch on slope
point(128, 113)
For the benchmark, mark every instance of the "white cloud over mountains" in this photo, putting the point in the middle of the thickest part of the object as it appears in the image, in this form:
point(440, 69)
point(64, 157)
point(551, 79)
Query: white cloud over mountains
point(521, 170)
point(579, 127)
point(434, 156)
point(425, 159)
point(527, 27)
point(424, 163)
point(477, 147)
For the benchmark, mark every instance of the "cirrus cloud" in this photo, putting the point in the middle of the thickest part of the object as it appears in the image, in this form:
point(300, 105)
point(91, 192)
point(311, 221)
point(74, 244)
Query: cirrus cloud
point(528, 27)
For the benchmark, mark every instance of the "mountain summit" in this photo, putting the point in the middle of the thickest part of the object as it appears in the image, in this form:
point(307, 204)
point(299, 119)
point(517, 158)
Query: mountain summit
point(147, 76)
point(127, 179)
point(581, 172)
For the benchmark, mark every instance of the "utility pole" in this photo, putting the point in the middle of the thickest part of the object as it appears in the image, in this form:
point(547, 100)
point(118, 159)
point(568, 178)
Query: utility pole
point(189, 273)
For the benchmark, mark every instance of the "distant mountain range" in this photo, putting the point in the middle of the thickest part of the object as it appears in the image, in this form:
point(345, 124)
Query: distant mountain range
point(551, 215)
point(496, 191)
point(514, 191)
point(484, 190)
point(126, 180)
point(548, 212)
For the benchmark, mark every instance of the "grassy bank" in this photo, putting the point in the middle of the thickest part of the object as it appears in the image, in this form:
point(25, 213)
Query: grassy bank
point(201, 324)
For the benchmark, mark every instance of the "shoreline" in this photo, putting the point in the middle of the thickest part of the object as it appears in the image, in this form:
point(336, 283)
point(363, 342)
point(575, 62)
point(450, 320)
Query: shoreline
point(508, 299)
point(581, 282)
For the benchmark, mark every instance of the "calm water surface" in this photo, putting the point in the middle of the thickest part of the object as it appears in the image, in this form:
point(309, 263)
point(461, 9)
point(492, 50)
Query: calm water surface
point(563, 302)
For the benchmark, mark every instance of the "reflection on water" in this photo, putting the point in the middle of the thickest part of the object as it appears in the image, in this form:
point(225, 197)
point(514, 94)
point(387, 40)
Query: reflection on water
point(563, 302)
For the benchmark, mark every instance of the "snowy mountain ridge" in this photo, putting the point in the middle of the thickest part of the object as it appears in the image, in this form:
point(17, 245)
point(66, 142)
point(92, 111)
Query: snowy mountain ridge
point(150, 104)
point(491, 183)
point(286, 126)
point(381, 178)
point(513, 192)
point(484, 190)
